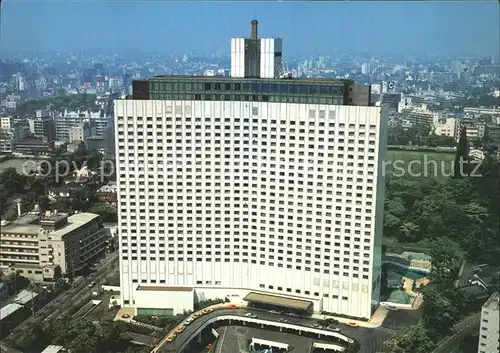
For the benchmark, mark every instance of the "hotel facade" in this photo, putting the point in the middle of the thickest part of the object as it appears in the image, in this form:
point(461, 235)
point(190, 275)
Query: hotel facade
point(229, 186)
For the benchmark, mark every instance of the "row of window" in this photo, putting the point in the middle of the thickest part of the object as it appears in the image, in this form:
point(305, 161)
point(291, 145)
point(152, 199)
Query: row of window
point(245, 260)
point(275, 98)
point(185, 122)
point(156, 87)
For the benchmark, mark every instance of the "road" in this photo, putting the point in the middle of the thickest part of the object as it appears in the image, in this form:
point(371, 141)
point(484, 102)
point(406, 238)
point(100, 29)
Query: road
point(463, 329)
point(74, 296)
point(370, 338)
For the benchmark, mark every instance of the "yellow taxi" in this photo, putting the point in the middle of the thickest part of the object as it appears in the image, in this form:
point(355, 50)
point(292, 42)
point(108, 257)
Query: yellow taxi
point(207, 310)
point(171, 337)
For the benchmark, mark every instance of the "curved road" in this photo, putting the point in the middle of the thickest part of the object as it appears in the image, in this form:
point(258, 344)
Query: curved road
point(369, 338)
point(463, 329)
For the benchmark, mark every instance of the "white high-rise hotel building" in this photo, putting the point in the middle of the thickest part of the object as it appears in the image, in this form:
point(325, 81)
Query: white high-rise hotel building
point(489, 341)
point(253, 186)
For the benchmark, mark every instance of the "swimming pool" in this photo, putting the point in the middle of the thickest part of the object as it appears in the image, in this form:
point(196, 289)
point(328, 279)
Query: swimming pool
point(395, 272)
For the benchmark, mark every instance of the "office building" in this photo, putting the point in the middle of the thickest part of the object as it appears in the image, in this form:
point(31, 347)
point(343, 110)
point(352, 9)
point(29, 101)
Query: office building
point(237, 186)
point(44, 248)
point(488, 334)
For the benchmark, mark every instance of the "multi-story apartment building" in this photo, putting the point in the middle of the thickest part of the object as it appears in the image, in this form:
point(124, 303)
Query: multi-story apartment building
point(444, 126)
point(493, 133)
point(42, 126)
point(475, 130)
point(419, 115)
point(6, 122)
point(11, 101)
point(79, 132)
point(43, 248)
point(489, 340)
point(64, 122)
point(6, 141)
point(10, 134)
point(251, 187)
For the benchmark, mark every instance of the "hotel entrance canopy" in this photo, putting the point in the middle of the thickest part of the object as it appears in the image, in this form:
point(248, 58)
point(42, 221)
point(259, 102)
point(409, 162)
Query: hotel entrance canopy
point(275, 300)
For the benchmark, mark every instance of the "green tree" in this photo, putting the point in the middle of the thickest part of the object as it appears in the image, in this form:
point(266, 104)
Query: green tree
point(12, 181)
point(107, 213)
point(412, 339)
point(27, 203)
point(44, 202)
point(434, 214)
point(438, 313)
point(79, 336)
point(445, 255)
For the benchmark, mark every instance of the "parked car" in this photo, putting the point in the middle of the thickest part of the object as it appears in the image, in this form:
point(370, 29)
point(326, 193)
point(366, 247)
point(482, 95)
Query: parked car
point(206, 311)
point(352, 324)
point(250, 315)
point(180, 329)
point(232, 306)
point(331, 321)
point(318, 326)
point(171, 337)
point(188, 321)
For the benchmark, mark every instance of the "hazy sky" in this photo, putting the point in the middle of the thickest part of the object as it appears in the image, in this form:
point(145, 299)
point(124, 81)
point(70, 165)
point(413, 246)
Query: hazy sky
point(393, 27)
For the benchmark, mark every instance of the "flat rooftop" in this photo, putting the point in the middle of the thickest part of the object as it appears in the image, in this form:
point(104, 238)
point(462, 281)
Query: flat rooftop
point(24, 297)
point(492, 303)
point(28, 218)
point(14, 228)
point(75, 221)
point(8, 310)
point(53, 349)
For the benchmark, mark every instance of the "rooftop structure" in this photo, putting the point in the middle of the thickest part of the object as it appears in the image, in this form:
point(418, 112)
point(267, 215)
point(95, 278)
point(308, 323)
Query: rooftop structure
point(24, 297)
point(53, 349)
point(293, 90)
point(8, 310)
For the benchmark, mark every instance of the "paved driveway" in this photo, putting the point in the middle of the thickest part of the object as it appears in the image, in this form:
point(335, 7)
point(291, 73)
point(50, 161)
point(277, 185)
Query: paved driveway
point(370, 338)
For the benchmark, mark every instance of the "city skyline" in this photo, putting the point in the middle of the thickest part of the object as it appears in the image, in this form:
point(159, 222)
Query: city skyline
point(468, 28)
